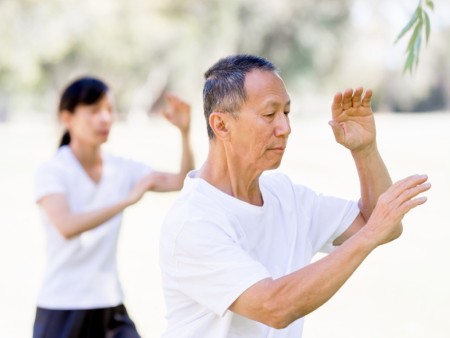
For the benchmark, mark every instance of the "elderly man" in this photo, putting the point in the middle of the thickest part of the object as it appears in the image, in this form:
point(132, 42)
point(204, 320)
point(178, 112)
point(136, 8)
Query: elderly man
point(236, 247)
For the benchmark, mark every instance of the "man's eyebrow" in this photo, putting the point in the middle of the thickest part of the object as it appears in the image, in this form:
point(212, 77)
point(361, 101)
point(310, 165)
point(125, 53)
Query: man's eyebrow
point(275, 104)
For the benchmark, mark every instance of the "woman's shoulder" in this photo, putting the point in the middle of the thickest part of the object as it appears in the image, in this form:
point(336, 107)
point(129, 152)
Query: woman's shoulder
point(59, 161)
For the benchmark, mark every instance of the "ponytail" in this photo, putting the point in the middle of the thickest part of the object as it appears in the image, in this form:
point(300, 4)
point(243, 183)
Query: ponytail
point(65, 139)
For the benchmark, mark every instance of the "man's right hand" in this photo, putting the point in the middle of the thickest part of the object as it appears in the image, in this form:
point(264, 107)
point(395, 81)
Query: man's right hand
point(384, 225)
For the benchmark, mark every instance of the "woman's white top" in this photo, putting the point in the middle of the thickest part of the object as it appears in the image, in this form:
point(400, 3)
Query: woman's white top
point(81, 272)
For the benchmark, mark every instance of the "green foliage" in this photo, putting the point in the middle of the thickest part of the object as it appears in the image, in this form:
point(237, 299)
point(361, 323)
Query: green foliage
point(419, 24)
point(139, 46)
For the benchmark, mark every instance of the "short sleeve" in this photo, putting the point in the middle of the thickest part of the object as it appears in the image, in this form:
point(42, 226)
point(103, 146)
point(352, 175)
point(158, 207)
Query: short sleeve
point(331, 216)
point(212, 268)
point(49, 179)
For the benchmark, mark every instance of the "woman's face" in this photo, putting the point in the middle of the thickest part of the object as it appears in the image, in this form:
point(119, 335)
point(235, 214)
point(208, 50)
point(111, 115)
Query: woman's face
point(90, 123)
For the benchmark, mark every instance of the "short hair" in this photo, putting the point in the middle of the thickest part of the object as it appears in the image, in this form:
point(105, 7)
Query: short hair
point(224, 88)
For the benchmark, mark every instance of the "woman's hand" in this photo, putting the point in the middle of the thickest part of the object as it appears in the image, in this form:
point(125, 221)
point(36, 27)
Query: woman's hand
point(177, 112)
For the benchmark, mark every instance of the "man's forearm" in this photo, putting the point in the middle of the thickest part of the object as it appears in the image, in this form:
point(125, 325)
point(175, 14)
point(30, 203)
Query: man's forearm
point(373, 175)
point(279, 302)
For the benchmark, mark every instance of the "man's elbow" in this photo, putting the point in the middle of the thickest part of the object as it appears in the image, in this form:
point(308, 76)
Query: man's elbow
point(278, 316)
point(278, 323)
point(398, 231)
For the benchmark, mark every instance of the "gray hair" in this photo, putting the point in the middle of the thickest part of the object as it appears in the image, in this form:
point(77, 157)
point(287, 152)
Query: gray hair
point(224, 89)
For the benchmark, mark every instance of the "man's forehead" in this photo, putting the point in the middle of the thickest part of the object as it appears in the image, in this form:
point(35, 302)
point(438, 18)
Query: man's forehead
point(266, 86)
point(260, 73)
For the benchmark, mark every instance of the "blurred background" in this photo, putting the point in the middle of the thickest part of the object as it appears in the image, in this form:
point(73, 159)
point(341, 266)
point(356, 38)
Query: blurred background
point(142, 48)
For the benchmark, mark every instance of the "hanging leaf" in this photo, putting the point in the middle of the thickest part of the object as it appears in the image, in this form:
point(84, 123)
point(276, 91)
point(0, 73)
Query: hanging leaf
point(419, 24)
point(408, 63)
point(427, 26)
point(408, 26)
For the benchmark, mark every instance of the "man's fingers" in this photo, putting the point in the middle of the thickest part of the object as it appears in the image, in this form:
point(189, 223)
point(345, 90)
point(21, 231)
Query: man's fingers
point(351, 98)
point(336, 107)
point(411, 204)
point(347, 99)
point(356, 99)
point(407, 188)
point(341, 102)
point(408, 182)
point(367, 98)
point(410, 193)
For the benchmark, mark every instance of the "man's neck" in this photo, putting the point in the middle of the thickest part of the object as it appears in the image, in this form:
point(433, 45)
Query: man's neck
point(233, 178)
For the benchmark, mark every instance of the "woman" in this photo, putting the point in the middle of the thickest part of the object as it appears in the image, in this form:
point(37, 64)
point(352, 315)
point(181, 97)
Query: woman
point(82, 192)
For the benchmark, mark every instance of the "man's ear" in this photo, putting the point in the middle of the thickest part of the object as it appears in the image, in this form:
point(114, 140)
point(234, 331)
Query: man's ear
point(218, 123)
point(65, 117)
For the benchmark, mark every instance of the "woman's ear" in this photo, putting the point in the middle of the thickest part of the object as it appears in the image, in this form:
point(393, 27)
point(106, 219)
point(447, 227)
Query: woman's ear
point(218, 123)
point(65, 117)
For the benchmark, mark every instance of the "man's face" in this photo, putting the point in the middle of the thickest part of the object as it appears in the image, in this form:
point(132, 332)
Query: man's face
point(259, 133)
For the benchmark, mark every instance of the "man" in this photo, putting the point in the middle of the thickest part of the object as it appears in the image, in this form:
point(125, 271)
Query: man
point(236, 246)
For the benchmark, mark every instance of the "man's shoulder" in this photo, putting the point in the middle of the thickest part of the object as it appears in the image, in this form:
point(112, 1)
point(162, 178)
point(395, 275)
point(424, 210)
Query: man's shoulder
point(196, 198)
point(281, 184)
point(199, 203)
point(276, 181)
point(275, 176)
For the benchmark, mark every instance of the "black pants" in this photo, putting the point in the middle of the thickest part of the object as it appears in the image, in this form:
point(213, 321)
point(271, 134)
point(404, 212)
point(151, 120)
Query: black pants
point(111, 322)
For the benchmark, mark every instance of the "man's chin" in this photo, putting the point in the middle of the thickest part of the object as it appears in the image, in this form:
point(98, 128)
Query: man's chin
point(275, 165)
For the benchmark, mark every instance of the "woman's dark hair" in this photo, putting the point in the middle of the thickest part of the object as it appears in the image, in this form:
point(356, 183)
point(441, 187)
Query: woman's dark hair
point(85, 90)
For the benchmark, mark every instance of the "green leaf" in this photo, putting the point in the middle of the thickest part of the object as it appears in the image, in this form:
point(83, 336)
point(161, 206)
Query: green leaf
point(416, 48)
point(409, 63)
point(419, 11)
point(420, 24)
point(427, 26)
point(416, 33)
point(408, 26)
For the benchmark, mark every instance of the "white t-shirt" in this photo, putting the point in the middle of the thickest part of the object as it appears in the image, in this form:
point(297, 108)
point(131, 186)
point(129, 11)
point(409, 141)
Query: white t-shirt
point(213, 247)
point(81, 272)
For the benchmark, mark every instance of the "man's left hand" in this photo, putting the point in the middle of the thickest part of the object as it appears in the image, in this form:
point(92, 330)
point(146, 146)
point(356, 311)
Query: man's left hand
point(353, 123)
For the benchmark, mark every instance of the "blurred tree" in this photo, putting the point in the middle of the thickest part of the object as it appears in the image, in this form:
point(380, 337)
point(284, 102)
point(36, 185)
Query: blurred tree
point(300, 37)
point(142, 47)
point(138, 44)
point(46, 44)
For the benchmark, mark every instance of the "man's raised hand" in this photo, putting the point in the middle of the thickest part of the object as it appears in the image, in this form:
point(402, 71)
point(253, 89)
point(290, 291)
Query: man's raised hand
point(352, 119)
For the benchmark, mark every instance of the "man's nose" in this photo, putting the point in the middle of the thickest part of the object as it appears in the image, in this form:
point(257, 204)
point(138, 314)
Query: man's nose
point(283, 127)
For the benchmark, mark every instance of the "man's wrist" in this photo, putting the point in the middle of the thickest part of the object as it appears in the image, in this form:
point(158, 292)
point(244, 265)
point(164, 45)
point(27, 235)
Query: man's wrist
point(366, 151)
